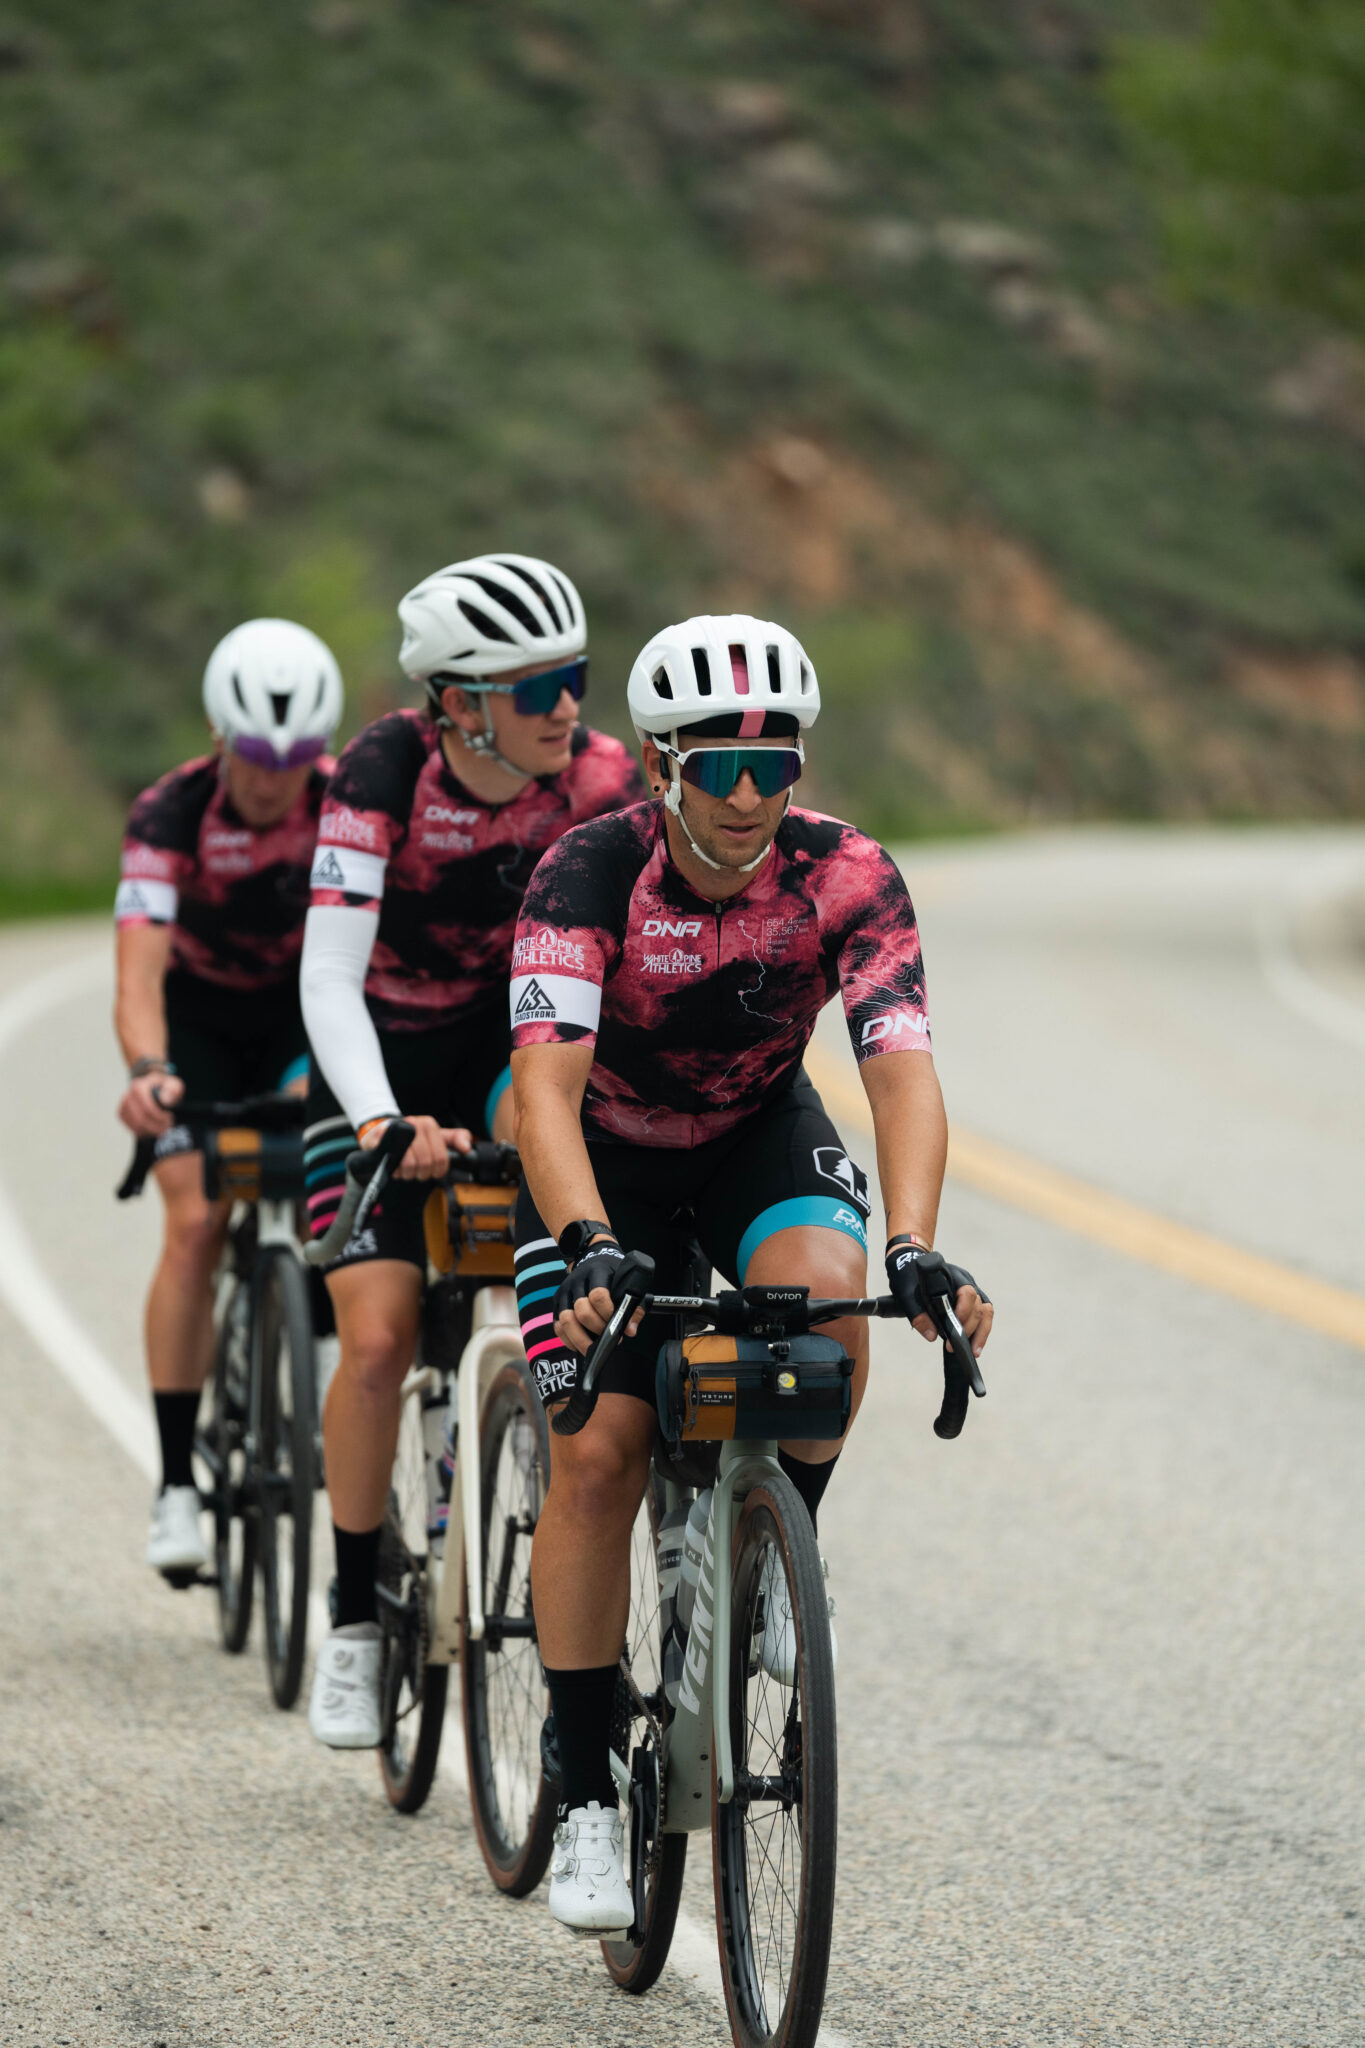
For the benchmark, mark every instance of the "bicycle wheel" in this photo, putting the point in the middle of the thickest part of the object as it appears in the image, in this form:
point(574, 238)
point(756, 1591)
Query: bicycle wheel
point(656, 1860)
point(283, 1373)
point(223, 1447)
point(502, 1686)
point(773, 1844)
point(412, 1693)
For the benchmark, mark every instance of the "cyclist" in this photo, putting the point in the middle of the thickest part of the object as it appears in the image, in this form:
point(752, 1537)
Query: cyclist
point(671, 963)
point(432, 826)
point(209, 918)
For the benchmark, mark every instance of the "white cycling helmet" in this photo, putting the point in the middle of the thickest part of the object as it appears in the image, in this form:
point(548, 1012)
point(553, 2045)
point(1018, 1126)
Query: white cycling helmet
point(733, 677)
point(480, 618)
point(709, 667)
point(273, 692)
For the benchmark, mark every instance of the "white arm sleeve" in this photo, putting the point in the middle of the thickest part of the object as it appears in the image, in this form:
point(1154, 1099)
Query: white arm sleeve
point(337, 943)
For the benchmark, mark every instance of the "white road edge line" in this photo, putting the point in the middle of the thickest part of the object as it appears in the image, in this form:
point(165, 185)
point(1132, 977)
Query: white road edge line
point(26, 1287)
point(106, 1393)
point(1299, 989)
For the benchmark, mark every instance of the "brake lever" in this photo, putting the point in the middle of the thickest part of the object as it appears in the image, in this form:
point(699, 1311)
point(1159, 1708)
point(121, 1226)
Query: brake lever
point(961, 1370)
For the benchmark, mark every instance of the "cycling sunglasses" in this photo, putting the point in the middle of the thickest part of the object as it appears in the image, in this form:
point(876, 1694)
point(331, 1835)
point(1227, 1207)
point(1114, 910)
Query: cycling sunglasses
point(262, 754)
point(716, 770)
point(535, 696)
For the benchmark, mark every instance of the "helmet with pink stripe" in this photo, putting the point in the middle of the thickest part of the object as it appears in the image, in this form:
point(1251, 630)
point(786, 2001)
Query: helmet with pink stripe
point(754, 675)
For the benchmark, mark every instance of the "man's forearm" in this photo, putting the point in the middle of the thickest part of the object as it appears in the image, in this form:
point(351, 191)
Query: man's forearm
point(555, 1161)
point(912, 1140)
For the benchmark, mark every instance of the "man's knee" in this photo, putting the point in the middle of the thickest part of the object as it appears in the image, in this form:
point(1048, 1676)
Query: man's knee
point(599, 1475)
point(194, 1236)
point(375, 1356)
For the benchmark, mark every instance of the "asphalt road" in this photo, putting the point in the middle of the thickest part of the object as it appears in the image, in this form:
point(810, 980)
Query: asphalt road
point(1100, 1676)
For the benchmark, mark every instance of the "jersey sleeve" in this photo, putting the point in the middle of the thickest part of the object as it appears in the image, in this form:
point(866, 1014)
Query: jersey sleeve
point(606, 776)
point(365, 814)
point(880, 965)
point(564, 948)
point(160, 845)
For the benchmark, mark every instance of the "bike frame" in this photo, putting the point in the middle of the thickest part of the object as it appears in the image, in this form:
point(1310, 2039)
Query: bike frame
point(494, 1341)
point(701, 1718)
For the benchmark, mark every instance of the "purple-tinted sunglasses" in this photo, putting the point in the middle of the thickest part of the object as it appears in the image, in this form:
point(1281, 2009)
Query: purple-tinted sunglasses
point(262, 753)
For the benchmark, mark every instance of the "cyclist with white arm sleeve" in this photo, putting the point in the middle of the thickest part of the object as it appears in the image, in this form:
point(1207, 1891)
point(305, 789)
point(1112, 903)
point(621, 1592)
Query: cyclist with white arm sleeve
point(209, 919)
point(434, 822)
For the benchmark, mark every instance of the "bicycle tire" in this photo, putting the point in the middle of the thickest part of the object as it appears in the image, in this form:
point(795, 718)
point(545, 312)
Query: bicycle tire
point(412, 1692)
point(774, 1856)
point(636, 1969)
point(283, 1373)
point(234, 1517)
point(502, 1687)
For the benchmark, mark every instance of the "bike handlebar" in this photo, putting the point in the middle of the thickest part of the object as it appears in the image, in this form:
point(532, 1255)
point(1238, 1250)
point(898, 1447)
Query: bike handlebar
point(734, 1313)
point(269, 1112)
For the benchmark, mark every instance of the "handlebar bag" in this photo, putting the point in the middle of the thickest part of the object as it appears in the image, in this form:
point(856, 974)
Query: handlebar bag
point(253, 1166)
point(713, 1388)
point(469, 1230)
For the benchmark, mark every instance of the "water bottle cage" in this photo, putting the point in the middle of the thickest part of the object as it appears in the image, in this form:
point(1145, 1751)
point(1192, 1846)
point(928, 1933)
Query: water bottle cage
point(714, 1388)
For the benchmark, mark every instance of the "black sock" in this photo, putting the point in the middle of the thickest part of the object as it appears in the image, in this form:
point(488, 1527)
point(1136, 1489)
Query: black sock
point(357, 1562)
point(176, 1415)
point(582, 1702)
point(810, 1481)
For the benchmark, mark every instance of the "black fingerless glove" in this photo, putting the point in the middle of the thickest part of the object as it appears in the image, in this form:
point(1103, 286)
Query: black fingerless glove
point(918, 1276)
point(598, 1267)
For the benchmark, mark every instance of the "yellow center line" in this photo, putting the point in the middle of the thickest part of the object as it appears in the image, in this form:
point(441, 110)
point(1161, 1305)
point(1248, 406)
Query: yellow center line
point(1123, 1226)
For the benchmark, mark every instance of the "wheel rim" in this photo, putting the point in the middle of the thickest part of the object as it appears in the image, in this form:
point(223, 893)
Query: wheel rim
point(402, 1574)
point(277, 1471)
point(644, 1655)
point(506, 1669)
point(233, 1559)
point(764, 1861)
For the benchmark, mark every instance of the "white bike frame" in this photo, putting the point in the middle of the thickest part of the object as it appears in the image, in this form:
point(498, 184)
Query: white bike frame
point(494, 1341)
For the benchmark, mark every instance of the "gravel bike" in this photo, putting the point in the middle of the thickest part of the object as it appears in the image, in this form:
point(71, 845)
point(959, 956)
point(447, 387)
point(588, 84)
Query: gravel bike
point(455, 1552)
point(725, 1702)
point(258, 1437)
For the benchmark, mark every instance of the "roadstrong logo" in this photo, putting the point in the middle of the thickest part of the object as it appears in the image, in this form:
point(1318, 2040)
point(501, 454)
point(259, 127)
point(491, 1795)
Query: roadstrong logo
point(328, 872)
point(535, 1006)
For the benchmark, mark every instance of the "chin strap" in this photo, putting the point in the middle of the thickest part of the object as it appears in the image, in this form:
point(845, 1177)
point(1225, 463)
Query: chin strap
point(673, 803)
point(481, 743)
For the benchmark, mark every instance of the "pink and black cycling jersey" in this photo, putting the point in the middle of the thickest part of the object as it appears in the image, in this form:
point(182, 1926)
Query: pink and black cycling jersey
point(234, 897)
point(446, 870)
point(699, 1012)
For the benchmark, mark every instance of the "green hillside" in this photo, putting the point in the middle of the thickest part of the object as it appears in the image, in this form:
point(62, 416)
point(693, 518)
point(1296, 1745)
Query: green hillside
point(850, 309)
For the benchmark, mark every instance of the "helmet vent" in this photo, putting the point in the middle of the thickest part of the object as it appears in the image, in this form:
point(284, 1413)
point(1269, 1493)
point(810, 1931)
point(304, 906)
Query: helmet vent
point(280, 701)
point(663, 683)
point(481, 622)
point(774, 672)
point(319, 695)
point(240, 694)
point(702, 668)
point(509, 599)
point(515, 606)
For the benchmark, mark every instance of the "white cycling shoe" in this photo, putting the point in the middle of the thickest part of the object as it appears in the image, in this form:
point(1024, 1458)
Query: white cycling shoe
point(777, 1652)
point(175, 1541)
point(588, 1889)
point(343, 1708)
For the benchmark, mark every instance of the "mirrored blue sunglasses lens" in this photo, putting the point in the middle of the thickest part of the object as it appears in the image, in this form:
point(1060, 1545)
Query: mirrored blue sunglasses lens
point(716, 770)
point(537, 696)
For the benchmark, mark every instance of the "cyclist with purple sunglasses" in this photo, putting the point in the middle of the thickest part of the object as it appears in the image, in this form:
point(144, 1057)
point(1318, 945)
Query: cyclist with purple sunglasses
point(209, 916)
point(433, 824)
